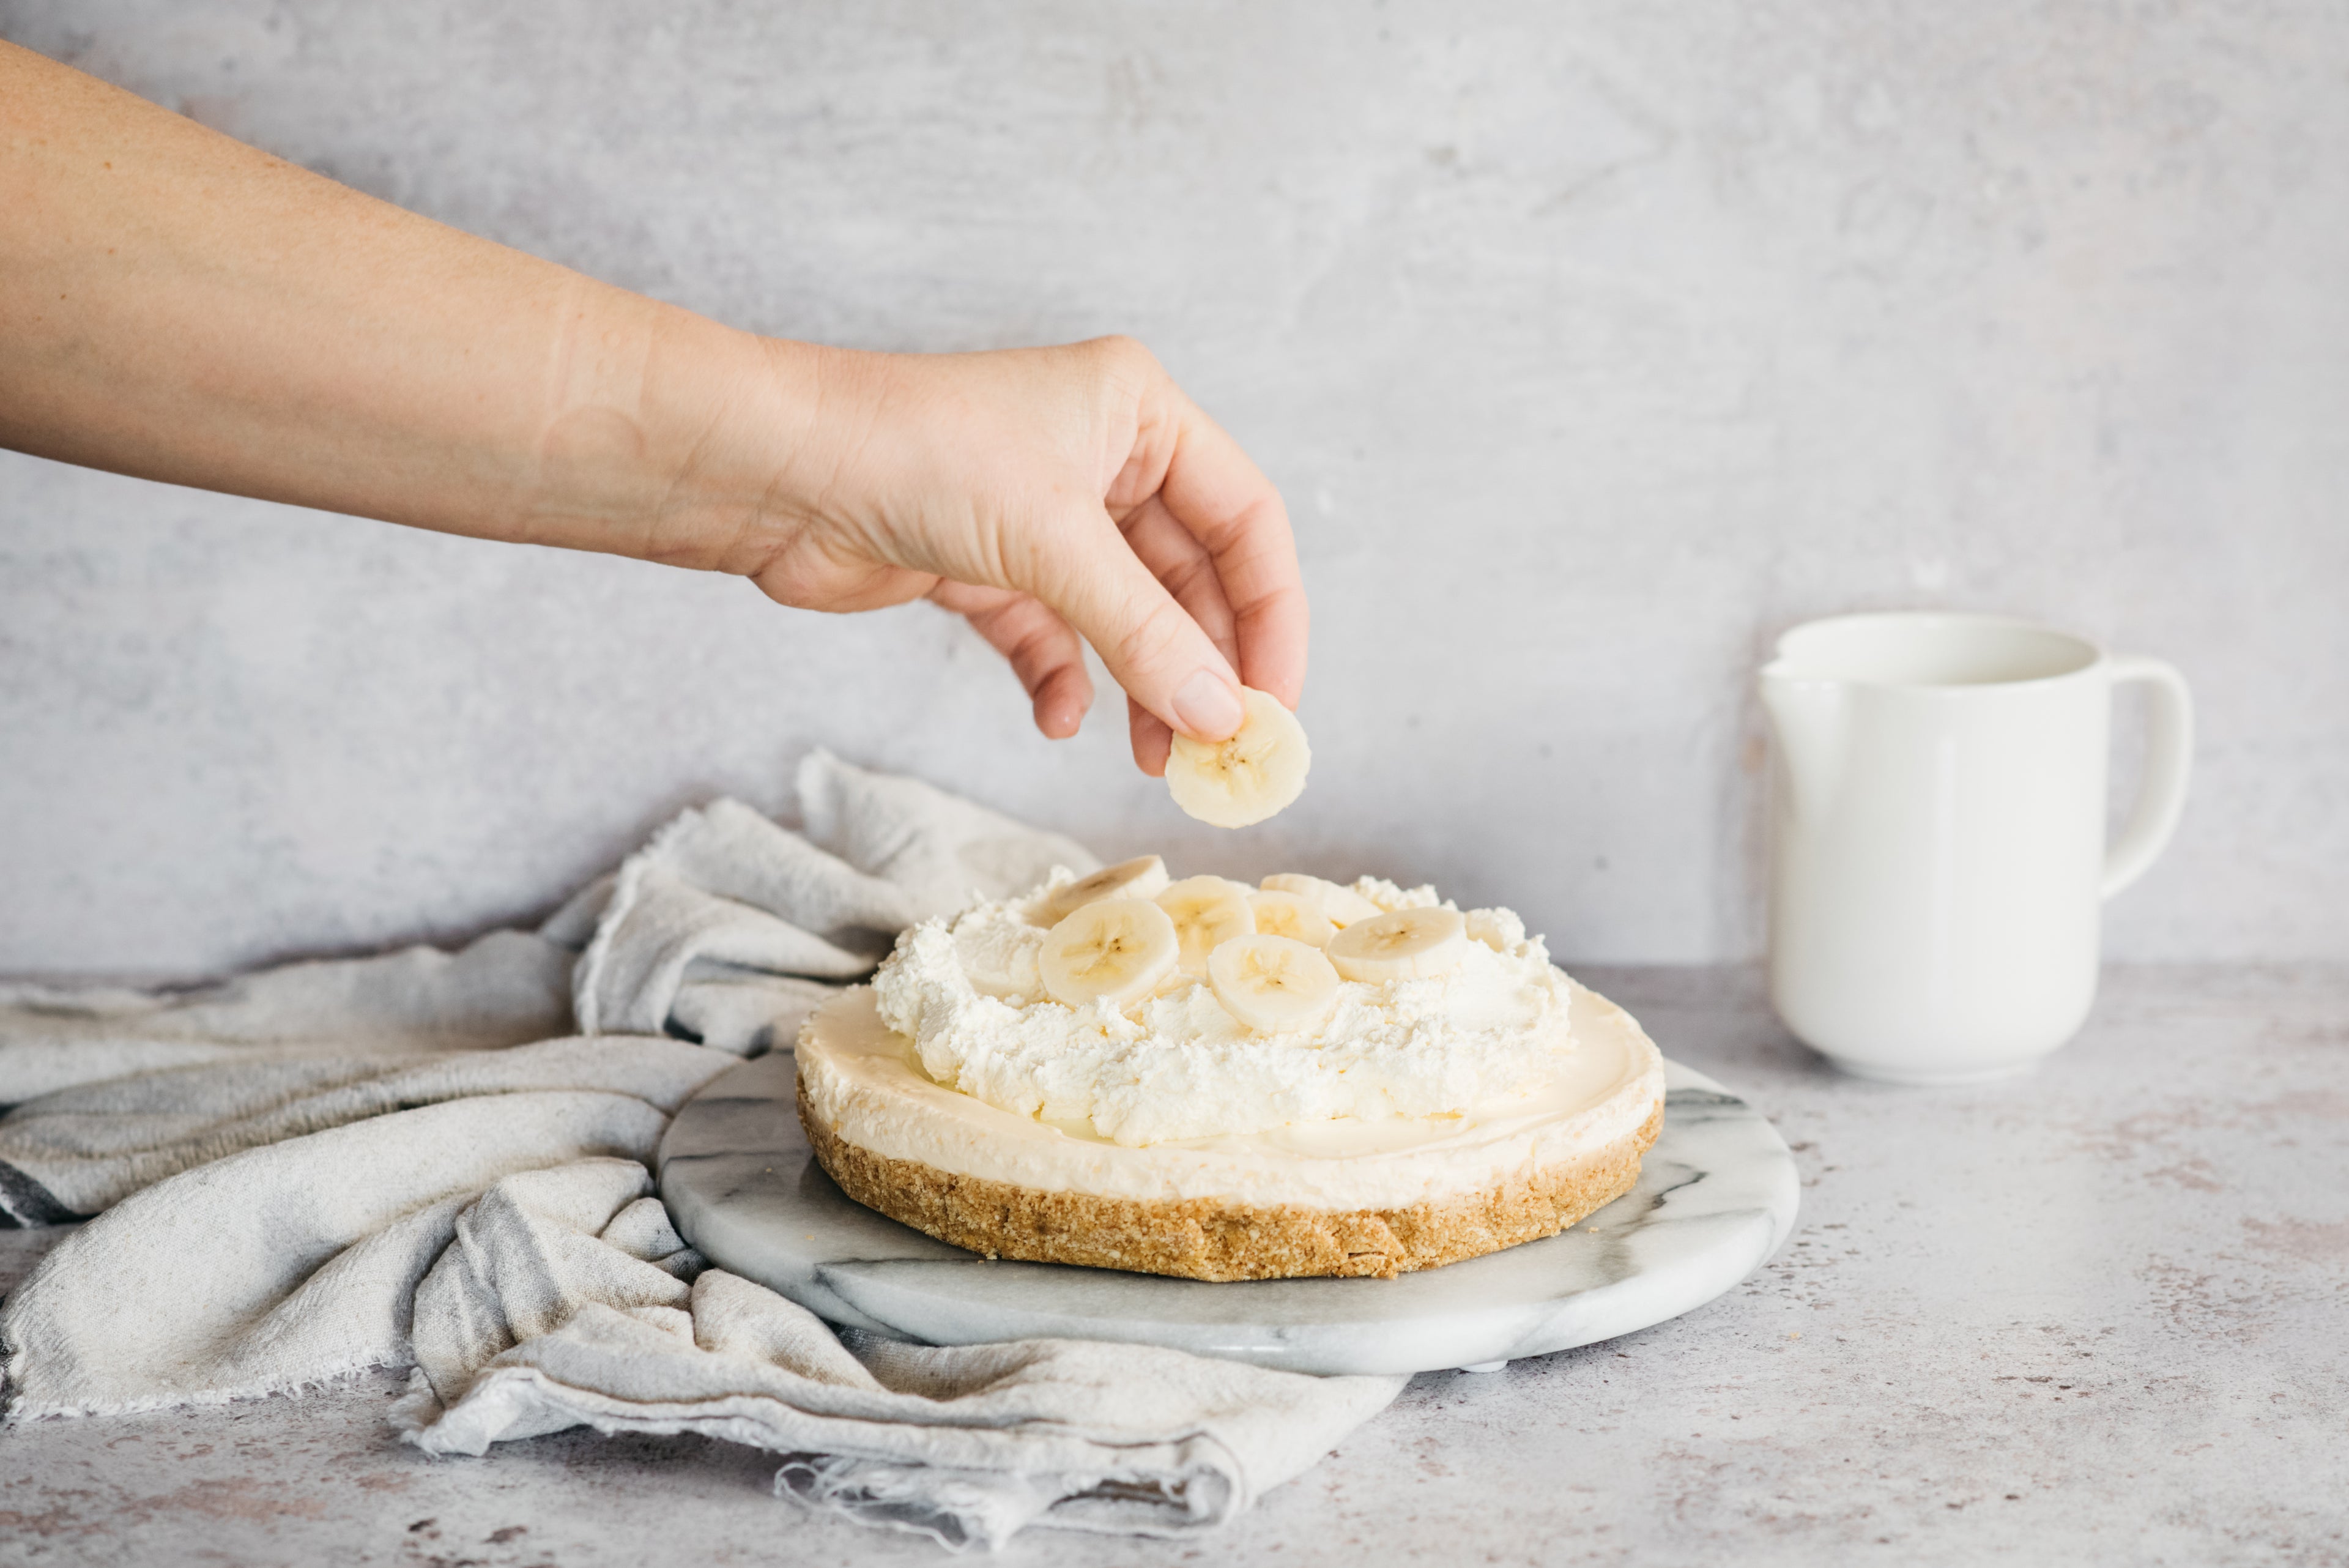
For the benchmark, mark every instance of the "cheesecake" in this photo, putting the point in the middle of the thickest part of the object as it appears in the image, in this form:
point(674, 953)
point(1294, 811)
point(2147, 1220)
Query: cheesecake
point(1218, 1082)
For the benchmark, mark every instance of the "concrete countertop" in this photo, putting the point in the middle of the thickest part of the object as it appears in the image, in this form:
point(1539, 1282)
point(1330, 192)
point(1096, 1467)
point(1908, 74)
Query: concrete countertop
point(2100, 1314)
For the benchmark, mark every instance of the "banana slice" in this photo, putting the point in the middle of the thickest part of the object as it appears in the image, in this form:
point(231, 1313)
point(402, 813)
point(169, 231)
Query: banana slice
point(1244, 780)
point(1273, 984)
point(1143, 876)
point(1113, 949)
point(1340, 906)
point(1293, 916)
point(1207, 912)
point(1409, 944)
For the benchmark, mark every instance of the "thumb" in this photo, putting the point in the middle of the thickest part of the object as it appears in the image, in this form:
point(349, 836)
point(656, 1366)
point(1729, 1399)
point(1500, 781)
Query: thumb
point(1152, 646)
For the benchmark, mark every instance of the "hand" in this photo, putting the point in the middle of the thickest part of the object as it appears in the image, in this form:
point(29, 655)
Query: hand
point(1045, 494)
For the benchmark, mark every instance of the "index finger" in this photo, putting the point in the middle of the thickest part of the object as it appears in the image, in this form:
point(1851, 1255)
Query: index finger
point(1213, 489)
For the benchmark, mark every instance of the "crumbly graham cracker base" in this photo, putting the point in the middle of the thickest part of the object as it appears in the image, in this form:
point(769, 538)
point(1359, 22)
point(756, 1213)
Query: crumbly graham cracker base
point(1210, 1239)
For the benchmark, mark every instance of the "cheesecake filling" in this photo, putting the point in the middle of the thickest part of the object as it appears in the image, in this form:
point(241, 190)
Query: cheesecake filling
point(1493, 1036)
point(865, 1083)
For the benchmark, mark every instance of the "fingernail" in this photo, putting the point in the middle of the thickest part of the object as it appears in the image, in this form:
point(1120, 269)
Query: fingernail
point(1209, 707)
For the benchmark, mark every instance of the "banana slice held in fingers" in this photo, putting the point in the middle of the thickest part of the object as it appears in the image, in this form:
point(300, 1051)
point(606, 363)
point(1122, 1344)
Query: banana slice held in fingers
point(1339, 906)
point(1206, 912)
point(1112, 949)
point(1293, 916)
point(1409, 944)
point(1273, 984)
point(1241, 780)
point(1143, 876)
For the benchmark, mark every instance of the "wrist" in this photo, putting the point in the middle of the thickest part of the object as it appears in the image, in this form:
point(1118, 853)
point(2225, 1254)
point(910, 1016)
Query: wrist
point(659, 437)
point(658, 418)
point(754, 438)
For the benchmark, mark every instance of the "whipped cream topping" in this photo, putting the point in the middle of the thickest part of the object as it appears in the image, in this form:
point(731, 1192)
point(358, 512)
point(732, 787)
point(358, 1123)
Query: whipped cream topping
point(1488, 1036)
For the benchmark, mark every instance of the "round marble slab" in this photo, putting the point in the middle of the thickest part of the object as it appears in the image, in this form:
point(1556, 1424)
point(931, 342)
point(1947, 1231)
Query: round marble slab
point(1716, 1196)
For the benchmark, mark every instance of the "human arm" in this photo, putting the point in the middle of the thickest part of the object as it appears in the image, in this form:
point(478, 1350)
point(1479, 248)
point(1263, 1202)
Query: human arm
point(178, 306)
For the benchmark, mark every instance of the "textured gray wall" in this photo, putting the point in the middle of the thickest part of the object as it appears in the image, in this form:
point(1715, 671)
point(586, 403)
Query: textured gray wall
point(1592, 346)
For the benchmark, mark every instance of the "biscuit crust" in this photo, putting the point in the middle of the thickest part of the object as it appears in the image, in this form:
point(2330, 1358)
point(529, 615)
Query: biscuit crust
point(1212, 1238)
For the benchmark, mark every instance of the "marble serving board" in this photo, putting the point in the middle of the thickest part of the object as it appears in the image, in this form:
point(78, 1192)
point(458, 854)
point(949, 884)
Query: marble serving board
point(1716, 1196)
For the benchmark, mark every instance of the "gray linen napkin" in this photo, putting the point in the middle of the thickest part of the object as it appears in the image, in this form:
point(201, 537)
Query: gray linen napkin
point(387, 1162)
point(569, 1301)
point(508, 988)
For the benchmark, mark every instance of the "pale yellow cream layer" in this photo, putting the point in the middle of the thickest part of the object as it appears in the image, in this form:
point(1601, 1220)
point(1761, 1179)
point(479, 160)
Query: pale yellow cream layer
point(865, 1083)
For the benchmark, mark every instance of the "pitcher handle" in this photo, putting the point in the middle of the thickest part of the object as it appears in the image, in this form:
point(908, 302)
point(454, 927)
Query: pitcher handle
point(2170, 759)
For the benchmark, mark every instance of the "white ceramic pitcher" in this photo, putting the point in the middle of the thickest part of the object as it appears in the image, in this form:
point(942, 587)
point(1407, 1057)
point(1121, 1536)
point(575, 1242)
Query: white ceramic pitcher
point(1938, 850)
